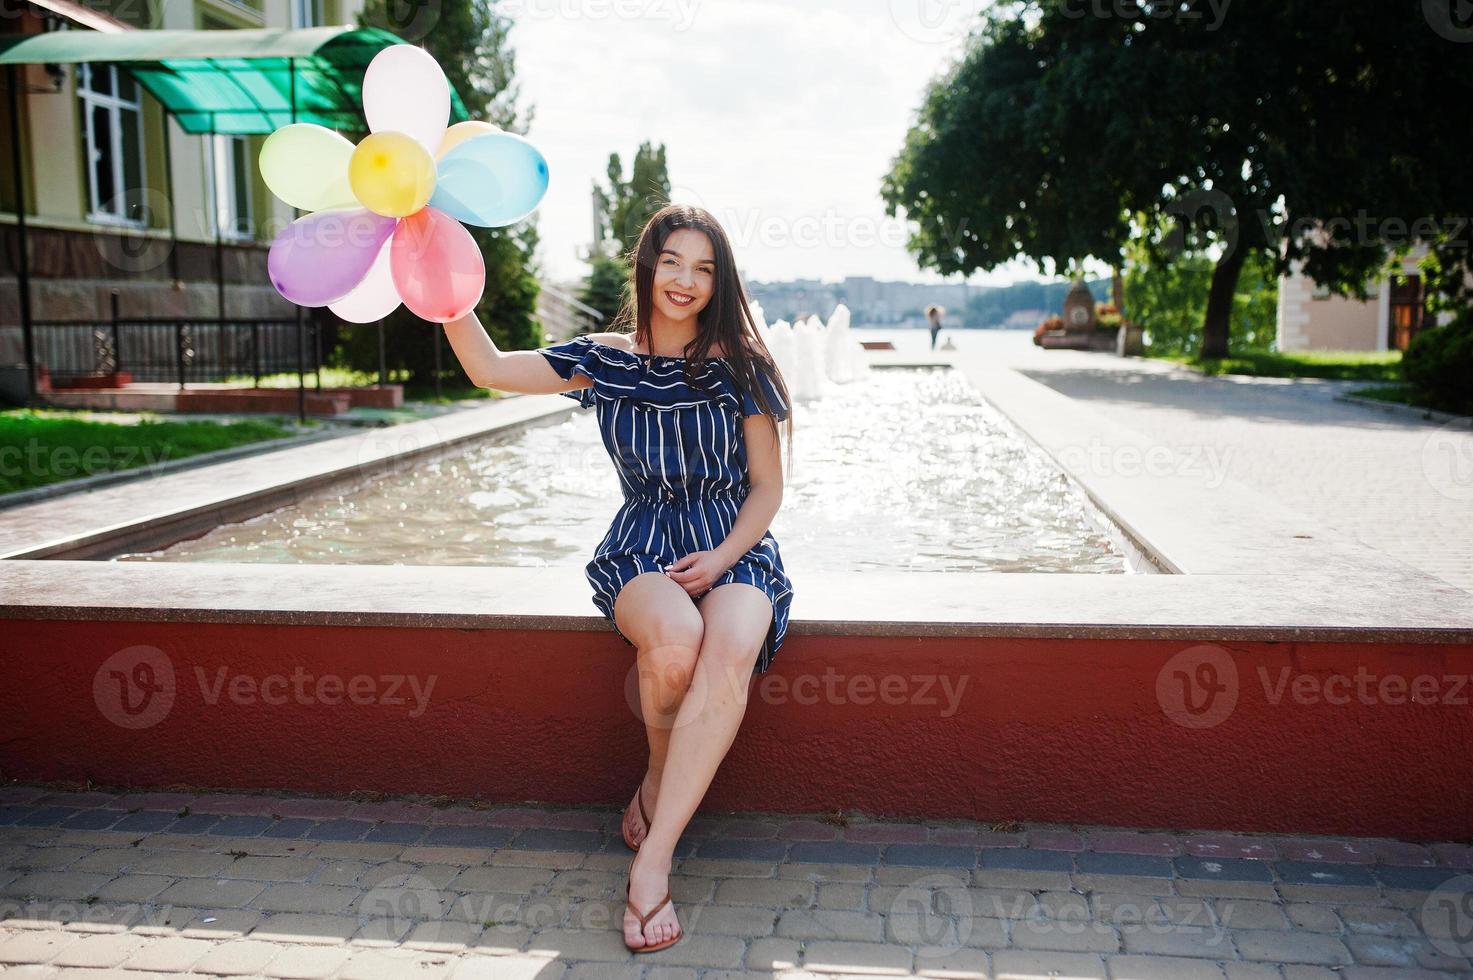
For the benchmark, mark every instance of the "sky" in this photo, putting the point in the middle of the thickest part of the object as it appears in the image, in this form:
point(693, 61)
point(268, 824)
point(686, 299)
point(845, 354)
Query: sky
point(780, 118)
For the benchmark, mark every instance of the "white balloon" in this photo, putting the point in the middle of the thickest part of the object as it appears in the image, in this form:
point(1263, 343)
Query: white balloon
point(375, 297)
point(405, 90)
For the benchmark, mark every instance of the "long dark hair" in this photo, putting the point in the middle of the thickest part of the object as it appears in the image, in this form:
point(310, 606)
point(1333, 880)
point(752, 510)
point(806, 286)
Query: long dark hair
point(726, 320)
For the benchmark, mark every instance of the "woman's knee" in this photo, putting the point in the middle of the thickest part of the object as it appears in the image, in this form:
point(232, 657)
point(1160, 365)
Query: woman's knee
point(736, 626)
point(659, 617)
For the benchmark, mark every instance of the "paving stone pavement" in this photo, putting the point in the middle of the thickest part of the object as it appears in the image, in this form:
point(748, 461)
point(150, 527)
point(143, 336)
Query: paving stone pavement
point(140, 885)
point(1400, 485)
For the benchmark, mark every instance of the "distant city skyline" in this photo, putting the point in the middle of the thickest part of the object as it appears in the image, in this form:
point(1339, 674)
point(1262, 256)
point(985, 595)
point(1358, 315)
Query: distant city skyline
point(779, 117)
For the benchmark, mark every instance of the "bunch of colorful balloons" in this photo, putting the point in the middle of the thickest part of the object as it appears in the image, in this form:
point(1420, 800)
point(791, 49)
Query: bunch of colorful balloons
point(384, 222)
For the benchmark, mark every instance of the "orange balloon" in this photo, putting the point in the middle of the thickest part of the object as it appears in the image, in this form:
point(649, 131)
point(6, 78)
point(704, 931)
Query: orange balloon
point(463, 131)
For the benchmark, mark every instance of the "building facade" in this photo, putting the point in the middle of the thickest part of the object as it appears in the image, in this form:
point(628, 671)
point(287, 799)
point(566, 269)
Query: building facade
point(127, 214)
point(1395, 310)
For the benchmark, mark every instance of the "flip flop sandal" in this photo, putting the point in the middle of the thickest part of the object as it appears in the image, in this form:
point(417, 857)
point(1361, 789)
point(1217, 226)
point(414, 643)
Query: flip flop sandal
point(645, 917)
point(642, 815)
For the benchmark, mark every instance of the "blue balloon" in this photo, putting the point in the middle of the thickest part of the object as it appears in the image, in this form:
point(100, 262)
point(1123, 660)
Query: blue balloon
point(491, 181)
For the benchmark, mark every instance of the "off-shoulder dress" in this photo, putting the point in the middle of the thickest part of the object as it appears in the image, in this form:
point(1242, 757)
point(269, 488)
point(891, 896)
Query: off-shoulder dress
point(680, 453)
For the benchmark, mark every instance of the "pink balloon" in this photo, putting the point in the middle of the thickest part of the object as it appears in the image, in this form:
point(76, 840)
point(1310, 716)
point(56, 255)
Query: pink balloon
point(320, 257)
point(438, 270)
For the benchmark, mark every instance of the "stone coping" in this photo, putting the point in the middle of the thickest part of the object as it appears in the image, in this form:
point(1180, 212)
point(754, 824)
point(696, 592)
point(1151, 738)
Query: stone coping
point(940, 604)
point(1247, 567)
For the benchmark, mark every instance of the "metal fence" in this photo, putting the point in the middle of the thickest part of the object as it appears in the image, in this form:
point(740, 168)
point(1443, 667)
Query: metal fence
point(179, 350)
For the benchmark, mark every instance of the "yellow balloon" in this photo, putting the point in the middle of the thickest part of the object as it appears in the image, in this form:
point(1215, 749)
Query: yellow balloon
point(391, 174)
point(461, 132)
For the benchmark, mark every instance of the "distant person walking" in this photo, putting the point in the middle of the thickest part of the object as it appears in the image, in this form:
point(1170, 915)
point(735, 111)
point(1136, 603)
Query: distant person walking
point(933, 313)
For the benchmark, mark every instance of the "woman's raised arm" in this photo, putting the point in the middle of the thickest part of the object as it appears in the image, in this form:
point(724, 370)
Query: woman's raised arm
point(487, 366)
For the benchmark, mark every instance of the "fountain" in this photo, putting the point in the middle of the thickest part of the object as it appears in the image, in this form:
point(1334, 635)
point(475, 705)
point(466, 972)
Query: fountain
point(811, 353)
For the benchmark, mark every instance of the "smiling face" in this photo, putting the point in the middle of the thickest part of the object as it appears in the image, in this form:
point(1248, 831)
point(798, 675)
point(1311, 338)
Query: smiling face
point(685, 274)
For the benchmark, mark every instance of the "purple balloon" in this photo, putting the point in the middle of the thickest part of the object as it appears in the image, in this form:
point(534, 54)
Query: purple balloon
point(320, 257)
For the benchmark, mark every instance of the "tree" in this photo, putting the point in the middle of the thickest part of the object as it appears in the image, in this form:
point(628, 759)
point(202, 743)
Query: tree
point(1237, 133)
point(607, 287)
point(469, 40)
point(625, 205)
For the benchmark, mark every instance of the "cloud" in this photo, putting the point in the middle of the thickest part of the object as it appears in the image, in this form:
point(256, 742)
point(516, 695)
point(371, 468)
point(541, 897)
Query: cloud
point(787, 111)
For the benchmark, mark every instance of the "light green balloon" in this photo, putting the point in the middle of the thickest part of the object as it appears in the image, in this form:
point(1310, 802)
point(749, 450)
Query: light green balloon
point(306, 165)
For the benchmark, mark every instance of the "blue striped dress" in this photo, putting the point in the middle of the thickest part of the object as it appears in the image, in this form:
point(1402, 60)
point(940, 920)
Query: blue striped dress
point(681, 458)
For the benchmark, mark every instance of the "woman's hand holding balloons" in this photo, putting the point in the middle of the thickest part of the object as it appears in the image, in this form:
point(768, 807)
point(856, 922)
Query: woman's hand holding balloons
point(384, 226)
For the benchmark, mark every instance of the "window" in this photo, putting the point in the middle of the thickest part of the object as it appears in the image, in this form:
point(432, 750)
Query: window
point(307, 13)
point(230, 187)
point(112, 145)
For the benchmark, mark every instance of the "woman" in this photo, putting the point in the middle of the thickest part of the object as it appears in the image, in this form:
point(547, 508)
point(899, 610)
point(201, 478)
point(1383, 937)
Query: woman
point(933, 314)
point(688, 573)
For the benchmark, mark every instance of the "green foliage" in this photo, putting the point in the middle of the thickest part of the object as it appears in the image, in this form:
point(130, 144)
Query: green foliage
point(627, 204)
point(1234, 130)
point(41, 446)
point(1439, 363)
point(1338, 365)
point(607, 286)
point(469, 40)
point(1169, 300)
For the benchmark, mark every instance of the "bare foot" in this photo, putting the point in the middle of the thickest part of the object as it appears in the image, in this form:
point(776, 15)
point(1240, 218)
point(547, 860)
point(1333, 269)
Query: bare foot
point(648, 883)
point(634, 824)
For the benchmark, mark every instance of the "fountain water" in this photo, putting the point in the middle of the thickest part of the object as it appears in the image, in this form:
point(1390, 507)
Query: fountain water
point(810, 353)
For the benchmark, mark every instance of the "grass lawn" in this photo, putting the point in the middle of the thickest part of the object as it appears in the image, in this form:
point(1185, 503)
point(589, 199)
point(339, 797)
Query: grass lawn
point(332, 377)
point(1346, 365)
point(1401, 393)
point(41, 446)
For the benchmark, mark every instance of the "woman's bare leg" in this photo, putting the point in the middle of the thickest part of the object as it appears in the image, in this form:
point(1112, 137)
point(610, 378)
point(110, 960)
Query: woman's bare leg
point(666, 628)
point(737, 616)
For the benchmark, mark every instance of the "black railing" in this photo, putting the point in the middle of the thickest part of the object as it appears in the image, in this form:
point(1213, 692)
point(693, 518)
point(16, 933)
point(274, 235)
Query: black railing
point(176, 349)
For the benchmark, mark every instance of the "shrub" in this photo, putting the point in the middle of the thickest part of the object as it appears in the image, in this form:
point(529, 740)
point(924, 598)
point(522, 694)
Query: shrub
point(1439, 363)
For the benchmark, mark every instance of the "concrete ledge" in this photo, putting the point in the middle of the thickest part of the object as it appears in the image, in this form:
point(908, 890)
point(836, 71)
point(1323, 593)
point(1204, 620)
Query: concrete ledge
point(1322, 608)
point(1062, 728)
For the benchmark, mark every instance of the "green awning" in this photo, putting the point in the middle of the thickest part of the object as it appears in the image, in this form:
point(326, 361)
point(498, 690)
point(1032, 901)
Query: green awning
point(232, 81)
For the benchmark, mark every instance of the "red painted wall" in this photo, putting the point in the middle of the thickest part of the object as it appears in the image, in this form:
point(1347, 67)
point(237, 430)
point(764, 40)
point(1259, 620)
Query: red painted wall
point(1090, 731)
